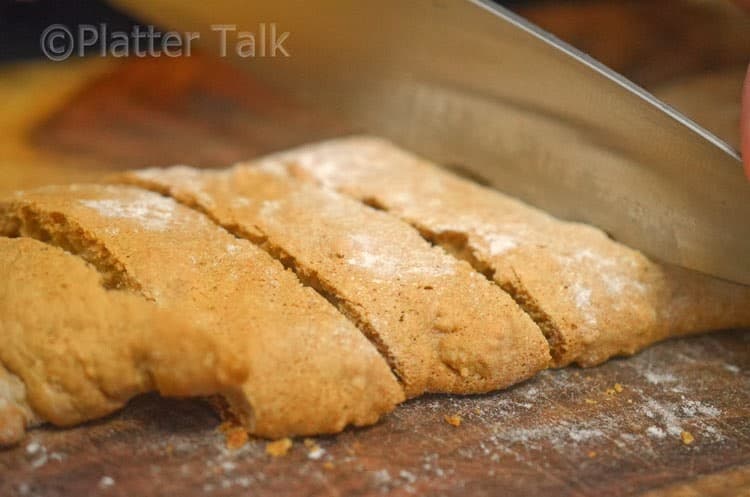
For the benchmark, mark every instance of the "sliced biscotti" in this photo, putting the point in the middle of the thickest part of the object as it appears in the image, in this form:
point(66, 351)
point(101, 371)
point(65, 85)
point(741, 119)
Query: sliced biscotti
point(442, 326)
point(73, 351)
point(593, 297)
point(310, 370)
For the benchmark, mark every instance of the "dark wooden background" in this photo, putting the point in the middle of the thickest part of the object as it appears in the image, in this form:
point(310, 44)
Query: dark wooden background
point(564, 433)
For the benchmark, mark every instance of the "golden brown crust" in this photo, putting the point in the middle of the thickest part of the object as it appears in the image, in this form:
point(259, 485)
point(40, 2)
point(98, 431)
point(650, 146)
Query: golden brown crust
point(443, 327)
point(73, 351)
point(593, 297)
point(311, 371)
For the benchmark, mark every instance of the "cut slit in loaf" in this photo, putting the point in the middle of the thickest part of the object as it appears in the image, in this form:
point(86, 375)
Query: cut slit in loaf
point(310, 370)
point(593, 298)
point(443, 326)
point(73, 351)
point(363, 307)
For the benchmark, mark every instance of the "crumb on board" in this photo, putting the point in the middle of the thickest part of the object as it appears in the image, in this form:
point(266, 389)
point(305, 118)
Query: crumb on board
point(235, 435)
point(328, 465)
point(314, 451)
point(687, 437)
point(279, 447)
point(616, 388)
point(590, 401)
point(592, 454)
point(453, 419)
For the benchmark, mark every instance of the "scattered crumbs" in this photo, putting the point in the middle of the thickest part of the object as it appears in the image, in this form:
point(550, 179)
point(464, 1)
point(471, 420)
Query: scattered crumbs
point(328, 465)
point(235, 435)
point(453, 419)
point(592, 454)
point(106, 482)
point(590, 401)
point(616, 388)
point(236, 438)
point(228, 466)
point(687, 437)
point(315, 452)
point(32, 448)
point(279, 448)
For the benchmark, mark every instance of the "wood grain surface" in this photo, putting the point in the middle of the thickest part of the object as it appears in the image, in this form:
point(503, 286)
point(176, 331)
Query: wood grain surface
point(612, 430)
point(565, 432)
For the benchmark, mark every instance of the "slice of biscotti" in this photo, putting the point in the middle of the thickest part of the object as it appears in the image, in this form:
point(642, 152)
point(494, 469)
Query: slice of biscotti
point(593, 297)
point(443, 326)
point(310, 370)
point(73, 351)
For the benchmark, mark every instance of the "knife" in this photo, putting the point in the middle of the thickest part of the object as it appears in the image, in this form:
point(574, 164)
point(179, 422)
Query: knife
point(469, 83)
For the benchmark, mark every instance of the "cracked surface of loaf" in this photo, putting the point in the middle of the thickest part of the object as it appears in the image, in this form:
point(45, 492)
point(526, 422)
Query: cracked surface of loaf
point(593, 297)
point(443, 326)
point(310, 370)
point(73, 351)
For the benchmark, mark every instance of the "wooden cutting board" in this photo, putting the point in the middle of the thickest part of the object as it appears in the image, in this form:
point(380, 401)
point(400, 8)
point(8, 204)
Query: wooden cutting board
point(674, 420)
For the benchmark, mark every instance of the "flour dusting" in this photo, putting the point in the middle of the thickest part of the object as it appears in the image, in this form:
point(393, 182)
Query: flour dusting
point(151, 212)
point(375, 257)
point(501, 243)
point(656, 378)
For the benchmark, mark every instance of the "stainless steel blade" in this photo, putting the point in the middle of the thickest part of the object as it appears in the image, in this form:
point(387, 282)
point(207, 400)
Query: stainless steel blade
point(467, 82)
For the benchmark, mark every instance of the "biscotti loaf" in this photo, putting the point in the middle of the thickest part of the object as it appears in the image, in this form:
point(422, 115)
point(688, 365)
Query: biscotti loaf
point(310, 370)
point(72, 351)
point(593, 297)
point(443, 326)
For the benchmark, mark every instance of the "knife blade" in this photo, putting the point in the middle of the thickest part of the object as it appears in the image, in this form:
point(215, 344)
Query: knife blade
point(469, 83)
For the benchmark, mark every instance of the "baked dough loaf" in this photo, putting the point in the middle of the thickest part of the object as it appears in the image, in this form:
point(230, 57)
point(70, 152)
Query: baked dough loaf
point(593, 297)
point(443, 326)
point(73, 351)
point(310, 370)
